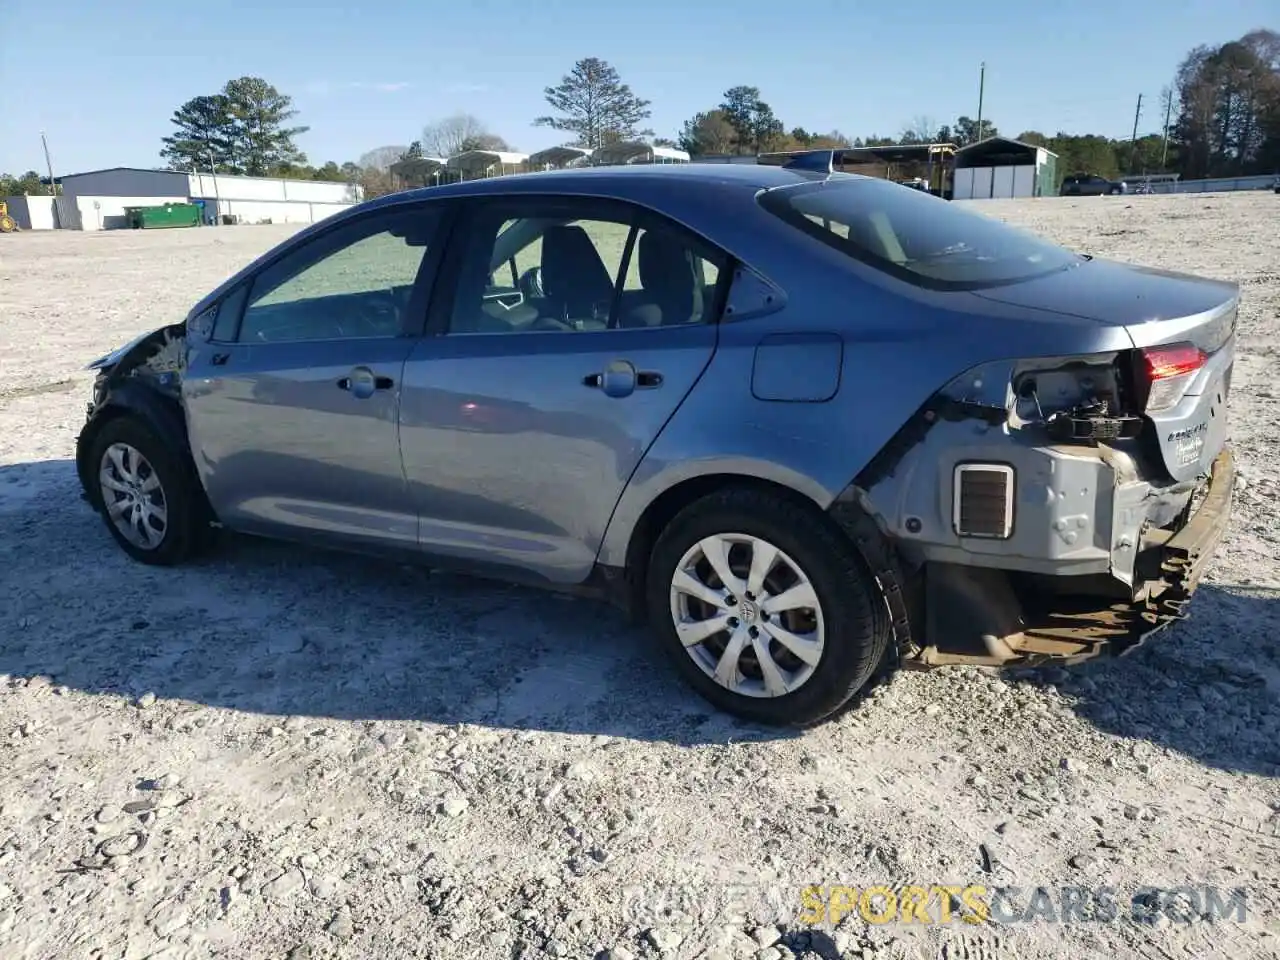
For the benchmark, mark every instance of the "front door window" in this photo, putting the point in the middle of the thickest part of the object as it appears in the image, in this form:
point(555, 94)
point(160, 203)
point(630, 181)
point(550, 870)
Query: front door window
point(353, 284)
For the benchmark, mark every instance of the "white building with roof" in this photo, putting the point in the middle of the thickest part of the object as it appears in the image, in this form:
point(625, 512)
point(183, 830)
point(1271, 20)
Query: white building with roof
point(96, 199)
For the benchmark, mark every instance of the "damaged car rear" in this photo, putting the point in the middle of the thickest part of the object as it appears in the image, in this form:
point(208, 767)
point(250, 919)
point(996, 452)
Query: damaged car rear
point(804, 425)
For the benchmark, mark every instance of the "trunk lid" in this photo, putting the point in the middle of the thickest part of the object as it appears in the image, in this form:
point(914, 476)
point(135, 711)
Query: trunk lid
point(1152, 305)
point(1183, 329)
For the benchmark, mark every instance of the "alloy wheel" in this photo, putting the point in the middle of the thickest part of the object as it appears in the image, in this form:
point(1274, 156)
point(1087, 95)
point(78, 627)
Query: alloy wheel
point(133, 496)
point(748, 615)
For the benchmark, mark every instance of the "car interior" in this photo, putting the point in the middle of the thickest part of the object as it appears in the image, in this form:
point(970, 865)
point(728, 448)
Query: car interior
point(362, 315)
point(569, 287)
point(565, 286)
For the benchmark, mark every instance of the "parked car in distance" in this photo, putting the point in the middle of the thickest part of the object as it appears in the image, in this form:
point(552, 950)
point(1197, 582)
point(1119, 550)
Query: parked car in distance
point(1091, 185)
point(806, 425)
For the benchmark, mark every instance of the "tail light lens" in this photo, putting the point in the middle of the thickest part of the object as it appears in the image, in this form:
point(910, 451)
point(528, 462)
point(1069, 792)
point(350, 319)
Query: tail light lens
point(1168, 371)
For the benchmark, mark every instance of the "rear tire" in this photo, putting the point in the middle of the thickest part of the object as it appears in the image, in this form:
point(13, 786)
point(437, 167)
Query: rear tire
point(147, 494)
point(811, 588)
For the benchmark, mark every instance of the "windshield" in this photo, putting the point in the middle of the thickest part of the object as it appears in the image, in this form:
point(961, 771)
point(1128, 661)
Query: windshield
point(914, 236)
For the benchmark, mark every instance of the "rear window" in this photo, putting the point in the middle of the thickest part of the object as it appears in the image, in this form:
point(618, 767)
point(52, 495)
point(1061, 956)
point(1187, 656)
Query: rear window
point(914, 236)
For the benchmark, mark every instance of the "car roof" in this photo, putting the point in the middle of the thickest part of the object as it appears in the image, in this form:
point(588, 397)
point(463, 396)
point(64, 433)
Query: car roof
point(621, 181)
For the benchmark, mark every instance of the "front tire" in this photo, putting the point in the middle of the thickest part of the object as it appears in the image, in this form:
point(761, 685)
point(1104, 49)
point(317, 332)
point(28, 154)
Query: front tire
point(146, 494)
point(766, 608)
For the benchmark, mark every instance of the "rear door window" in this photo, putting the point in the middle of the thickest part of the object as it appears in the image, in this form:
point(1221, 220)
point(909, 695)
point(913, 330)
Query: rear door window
point(914, 236)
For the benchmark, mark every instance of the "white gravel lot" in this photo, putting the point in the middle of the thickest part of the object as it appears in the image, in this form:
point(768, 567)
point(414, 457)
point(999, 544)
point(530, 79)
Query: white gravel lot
point(278, 753)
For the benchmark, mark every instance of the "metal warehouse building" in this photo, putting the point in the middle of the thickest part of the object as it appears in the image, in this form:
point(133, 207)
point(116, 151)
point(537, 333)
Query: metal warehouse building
point(96, 200)
point(1000, 167)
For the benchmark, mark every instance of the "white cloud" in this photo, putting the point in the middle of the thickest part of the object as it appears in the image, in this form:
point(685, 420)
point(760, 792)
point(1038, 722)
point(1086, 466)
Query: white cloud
point(325, 87)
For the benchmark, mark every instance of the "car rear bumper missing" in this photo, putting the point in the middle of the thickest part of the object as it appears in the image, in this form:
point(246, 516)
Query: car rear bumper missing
point(1021, 624)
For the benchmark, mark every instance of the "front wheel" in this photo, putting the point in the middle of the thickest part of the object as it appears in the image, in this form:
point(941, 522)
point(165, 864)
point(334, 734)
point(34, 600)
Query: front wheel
point(766, 607)
point(147, 495)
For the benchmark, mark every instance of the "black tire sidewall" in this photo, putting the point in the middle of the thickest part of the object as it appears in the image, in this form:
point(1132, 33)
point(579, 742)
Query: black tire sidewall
point(180, 535)
point(855, 619)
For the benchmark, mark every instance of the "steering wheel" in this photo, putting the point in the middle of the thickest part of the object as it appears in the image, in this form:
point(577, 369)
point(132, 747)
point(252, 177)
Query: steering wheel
point(531, 283)
point(378, 316)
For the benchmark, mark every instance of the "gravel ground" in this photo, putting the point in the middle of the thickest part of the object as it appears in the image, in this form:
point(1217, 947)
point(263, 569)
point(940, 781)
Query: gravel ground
point(278, 753)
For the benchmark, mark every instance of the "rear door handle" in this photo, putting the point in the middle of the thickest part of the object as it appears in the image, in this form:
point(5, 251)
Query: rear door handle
point(219, 359)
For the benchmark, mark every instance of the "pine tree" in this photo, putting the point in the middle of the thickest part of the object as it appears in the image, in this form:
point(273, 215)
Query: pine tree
point(752, 119)
point(204, 136)
point(262, 141)
point(593, 103)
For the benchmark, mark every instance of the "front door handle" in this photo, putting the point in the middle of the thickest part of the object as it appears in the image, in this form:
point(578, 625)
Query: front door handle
point(363, 382)
point(620, 378)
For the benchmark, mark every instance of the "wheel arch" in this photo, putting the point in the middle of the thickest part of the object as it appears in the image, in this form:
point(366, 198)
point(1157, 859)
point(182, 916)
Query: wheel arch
point(848, 513)
point(633, 556)
point(133, 398)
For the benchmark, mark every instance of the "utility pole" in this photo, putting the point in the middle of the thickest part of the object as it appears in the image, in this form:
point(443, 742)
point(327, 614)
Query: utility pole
point(53, 189)
point(1133, 143)
point(982, 82)
point(1168, 112)
point(213, 175)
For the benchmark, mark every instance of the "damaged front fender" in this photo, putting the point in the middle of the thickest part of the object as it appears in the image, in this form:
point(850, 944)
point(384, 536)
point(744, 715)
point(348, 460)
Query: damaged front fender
point(142, 379)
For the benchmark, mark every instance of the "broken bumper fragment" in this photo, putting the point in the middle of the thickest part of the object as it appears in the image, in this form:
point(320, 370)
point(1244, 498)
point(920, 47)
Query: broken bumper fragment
point(1028, 627)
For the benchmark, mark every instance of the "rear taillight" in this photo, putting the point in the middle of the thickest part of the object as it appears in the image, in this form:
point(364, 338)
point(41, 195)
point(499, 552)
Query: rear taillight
point(1168, 372)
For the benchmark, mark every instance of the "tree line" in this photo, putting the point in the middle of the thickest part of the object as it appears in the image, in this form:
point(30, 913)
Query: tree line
point(1222, 107)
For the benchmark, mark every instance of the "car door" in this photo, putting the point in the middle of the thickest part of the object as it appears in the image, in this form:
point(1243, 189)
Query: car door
point(570, 332)
point(292, 404)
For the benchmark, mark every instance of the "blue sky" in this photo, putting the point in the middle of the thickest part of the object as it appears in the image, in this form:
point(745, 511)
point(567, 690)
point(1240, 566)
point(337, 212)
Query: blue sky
point(102, 79)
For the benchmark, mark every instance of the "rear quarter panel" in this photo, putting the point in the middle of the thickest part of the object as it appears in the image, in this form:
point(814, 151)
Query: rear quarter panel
point(900, 344)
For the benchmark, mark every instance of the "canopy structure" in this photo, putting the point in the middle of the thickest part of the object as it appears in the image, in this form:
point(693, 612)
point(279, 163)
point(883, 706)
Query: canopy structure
point(928, 162)
point(556, 158)
point(473, 164)
point(886, 156)
point(419, 169)
point(999, 152)
point(636, 151)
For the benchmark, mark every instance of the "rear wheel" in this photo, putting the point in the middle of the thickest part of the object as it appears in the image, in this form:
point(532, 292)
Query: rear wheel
point(147, 494)
point(766, 607)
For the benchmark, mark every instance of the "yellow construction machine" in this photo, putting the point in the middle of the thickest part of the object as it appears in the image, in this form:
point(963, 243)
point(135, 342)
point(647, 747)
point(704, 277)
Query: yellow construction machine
point(7, 223)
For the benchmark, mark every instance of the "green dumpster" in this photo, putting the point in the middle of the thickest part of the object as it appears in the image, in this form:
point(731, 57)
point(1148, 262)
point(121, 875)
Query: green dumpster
point(166, 215)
